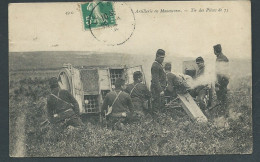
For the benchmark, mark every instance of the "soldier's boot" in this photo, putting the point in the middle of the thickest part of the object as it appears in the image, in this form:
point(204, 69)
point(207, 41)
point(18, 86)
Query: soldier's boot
point(215, 101)
point(75, 122)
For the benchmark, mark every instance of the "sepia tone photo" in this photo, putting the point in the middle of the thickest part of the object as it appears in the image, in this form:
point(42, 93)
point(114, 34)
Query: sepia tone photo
point(104, 78)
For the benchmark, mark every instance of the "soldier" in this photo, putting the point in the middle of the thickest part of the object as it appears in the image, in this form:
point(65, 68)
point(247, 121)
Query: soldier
point(222, 75)
point(175, 83)
point(172, 81)
point(158, 82)
point(139, 93)
point(201, 67)
point(200, 91)
point(62, 107)
point(117, 106)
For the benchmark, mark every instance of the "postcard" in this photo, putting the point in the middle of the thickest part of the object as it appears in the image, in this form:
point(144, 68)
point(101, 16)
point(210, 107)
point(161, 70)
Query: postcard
point(103, 78)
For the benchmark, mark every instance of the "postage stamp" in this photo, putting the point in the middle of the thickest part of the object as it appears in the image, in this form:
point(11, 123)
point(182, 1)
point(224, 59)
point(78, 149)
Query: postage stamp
point(111, 23)
point(98, 14)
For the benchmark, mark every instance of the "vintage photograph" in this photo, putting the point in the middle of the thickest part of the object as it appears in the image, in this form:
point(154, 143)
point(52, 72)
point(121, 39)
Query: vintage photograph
point(103, 78)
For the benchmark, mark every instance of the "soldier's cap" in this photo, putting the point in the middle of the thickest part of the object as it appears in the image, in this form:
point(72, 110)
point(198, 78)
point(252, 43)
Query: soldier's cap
point(217, 48)
point(199, 59)
point(160, 53)
point(168, 66)
point(53, 82)
point(137, 74)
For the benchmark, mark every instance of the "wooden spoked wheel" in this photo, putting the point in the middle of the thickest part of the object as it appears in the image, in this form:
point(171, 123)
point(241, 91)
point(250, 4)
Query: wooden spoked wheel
point(64, 81)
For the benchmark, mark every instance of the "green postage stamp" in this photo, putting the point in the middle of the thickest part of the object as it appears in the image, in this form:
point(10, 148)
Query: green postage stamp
point(98, 14)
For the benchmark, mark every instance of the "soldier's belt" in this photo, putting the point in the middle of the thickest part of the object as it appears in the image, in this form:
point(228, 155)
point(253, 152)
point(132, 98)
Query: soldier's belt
point(117, 115)
point(137, 99)
point(61, 116)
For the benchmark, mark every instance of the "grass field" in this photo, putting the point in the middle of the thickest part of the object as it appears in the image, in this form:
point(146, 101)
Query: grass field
point(171, 132)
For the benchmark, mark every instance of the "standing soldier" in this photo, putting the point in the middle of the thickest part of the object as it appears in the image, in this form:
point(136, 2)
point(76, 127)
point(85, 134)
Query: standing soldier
point(62, 107)
point(158, 83)
point(117, 106)
point(201, 67)
point(201, 90)
point(139, 93)
point(222, 75)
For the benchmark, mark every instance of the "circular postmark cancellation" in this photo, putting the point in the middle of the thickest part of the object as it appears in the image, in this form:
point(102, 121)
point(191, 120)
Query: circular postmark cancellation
point(112, 23)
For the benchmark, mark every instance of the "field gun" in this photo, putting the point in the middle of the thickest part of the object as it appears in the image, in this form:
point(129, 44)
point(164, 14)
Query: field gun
point(191, 104)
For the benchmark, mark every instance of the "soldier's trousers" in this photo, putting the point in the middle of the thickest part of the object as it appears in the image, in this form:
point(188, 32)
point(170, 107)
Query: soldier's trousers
point(222, 91)
point(74, 121)
point(138, 106)
point(158, 102)
point(116, 123)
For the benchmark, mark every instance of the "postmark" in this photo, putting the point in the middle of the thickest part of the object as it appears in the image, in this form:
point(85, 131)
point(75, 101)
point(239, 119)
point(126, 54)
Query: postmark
point(112, 23)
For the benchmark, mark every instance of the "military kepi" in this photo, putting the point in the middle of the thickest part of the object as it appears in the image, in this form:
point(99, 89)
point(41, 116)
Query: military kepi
point(217, 48)
point(199, 59)
point(53, 82)
point(160, 53)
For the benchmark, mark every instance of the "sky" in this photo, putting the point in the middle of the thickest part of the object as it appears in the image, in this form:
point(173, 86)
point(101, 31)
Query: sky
point(47, 27)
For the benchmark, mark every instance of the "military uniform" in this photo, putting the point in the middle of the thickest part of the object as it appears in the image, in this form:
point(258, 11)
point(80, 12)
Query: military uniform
point(158, 84)
point(200, 71)
point(222, 78)
point(172, 83)
point(53, 110)
point(122, 104)
point(139, 94)
point(200, 91)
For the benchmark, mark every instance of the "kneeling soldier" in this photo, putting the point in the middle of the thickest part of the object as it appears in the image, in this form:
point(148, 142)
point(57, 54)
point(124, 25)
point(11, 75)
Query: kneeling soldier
point(139, 93)
point(117, 106)
point(62, 107)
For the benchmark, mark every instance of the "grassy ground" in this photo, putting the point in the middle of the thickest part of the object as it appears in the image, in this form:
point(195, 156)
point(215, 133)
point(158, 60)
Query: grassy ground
point(170, 133)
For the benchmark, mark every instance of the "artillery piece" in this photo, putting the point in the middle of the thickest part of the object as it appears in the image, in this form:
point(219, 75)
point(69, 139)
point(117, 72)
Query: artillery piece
point(90, 84)
point(190, 103)
point(190, 68)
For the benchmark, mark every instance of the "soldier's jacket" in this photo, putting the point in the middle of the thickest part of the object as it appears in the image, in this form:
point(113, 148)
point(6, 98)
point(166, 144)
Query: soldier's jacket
point(139, 94)
point(200, 71)
point(222, 68)
point(173, 82)
point(122, 104)
point(52, 104)
point(222, 58)
point(140, 91)
point(159, 81)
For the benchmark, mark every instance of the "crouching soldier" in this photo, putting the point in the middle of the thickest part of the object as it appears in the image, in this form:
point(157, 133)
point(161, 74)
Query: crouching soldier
point(139, 93)
point(117, 106)
point(173, 83)
point(62, 107)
